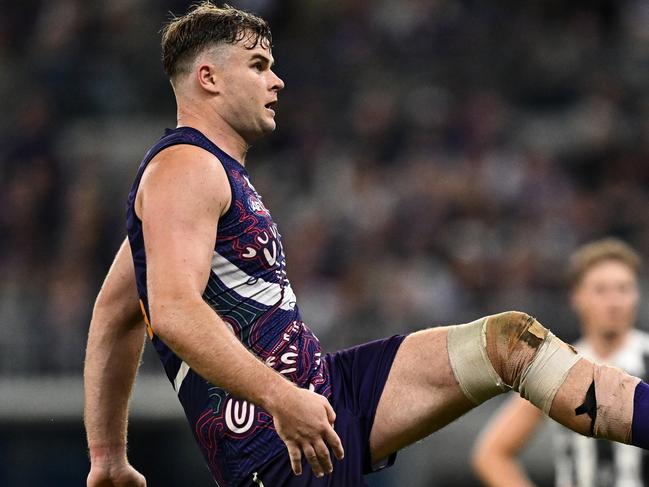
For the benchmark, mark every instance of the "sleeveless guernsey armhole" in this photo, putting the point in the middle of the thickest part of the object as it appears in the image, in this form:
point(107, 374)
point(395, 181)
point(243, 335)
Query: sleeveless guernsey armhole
point(228, 163)
point(175, 138)
point(225, 218)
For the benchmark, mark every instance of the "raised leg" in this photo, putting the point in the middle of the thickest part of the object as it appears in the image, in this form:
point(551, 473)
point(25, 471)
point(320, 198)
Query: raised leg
point(439, 374)
point(420, 396)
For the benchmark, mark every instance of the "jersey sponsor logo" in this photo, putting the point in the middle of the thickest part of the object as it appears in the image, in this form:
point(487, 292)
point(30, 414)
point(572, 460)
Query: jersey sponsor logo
point(239, 415)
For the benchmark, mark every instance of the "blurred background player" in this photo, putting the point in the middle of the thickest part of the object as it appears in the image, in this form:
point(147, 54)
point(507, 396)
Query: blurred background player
point(604, 295)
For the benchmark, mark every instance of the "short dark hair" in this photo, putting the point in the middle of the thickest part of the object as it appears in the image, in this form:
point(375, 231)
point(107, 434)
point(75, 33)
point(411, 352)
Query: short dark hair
point(589, 255)
point(206, 25)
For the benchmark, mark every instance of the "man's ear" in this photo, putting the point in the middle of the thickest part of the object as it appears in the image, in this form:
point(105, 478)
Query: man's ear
point(208, 78)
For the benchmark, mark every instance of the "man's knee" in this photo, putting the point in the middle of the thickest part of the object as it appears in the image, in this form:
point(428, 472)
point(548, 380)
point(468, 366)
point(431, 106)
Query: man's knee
point(512, 340)
point(509, 350)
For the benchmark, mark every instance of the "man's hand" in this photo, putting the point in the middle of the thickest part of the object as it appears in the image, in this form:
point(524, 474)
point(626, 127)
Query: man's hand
point(121, 475)
point(304, 421)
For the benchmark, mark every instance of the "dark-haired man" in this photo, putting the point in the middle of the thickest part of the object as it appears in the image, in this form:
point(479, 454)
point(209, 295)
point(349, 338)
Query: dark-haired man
point(210, 274)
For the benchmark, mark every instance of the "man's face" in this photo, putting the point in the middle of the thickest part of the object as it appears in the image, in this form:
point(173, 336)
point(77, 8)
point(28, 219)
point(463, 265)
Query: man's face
point(606, 299)
point(249, 88)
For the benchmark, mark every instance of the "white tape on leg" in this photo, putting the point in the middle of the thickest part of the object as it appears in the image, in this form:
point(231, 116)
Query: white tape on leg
point(467, 352)
point(541, 380)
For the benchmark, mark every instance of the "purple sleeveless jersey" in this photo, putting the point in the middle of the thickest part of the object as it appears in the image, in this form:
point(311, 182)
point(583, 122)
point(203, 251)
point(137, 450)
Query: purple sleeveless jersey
point(249, 290)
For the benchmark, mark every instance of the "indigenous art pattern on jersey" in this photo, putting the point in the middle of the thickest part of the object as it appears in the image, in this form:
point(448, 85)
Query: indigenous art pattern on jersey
point(249, 289)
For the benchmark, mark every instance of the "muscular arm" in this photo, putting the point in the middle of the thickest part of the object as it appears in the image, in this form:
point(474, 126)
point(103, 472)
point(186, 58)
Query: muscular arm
point(182, 195)
point(494, 457)
point(115, 343)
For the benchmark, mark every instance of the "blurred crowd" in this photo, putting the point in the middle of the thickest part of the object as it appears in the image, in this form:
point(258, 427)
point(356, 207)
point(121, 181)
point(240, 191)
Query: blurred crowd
point(435, 160)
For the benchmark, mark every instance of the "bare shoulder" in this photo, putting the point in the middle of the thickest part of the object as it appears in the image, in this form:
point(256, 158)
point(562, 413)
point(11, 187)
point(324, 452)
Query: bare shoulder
point(187, 172)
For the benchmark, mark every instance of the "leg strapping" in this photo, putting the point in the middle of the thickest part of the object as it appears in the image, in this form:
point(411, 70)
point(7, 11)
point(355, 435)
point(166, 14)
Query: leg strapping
point(589, 407)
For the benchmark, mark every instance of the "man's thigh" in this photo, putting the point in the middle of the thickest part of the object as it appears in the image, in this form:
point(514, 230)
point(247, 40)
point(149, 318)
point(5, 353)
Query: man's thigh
point(420, 396)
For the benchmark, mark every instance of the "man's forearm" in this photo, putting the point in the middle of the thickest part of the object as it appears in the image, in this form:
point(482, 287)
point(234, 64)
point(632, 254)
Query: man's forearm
point(502, 471)
point(197, 335)
point(115, 343)
point(112, 360)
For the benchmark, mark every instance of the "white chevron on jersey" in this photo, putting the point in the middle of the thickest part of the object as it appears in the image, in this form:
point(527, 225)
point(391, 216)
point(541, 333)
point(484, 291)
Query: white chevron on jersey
point(250, 287)
point(183, 370)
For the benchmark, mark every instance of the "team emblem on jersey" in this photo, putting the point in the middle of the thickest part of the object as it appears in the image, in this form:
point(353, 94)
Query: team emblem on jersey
point(256, 206)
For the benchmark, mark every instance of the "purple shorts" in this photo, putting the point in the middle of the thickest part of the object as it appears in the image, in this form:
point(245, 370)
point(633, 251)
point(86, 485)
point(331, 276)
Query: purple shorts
point(358, 375)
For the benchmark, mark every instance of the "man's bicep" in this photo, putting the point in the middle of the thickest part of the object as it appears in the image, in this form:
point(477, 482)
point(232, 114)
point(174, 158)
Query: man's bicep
point(183, 195)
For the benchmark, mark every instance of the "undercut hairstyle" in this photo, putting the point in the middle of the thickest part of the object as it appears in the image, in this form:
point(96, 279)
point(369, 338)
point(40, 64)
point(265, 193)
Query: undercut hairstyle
point(204, 26)
point(589, 255)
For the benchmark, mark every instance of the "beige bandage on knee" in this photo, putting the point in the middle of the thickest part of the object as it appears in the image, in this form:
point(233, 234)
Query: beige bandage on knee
point(467, 352)
point(509, 351)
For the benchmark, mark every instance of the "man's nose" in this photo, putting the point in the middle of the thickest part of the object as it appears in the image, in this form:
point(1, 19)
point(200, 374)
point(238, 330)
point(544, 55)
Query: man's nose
point(278, 83)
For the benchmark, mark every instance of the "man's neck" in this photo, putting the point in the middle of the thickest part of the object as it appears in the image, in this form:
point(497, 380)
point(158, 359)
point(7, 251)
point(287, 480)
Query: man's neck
point(218, 131)
point(605, 346)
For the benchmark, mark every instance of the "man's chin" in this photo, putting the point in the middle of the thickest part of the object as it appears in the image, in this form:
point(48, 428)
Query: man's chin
point(611, 335)
point(255, 135)
point(267, 127)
